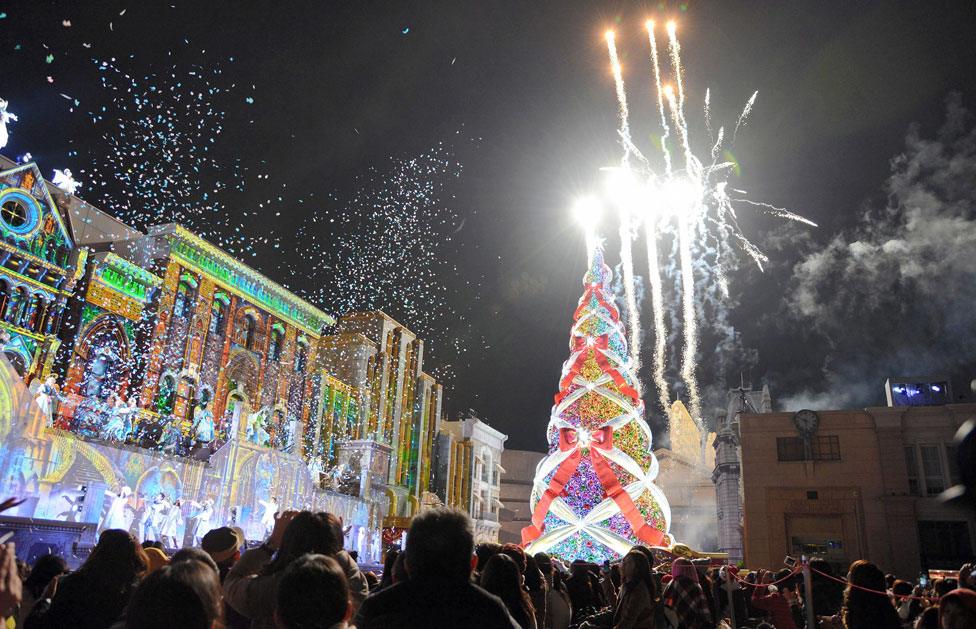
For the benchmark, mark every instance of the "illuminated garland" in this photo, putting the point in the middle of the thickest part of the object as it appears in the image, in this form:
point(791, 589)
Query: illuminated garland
point(594, 495)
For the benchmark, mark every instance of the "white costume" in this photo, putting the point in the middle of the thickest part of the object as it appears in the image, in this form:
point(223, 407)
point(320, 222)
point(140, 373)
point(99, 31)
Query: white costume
point(5, 117)
point(64, 180)
point(154, 521)
point(203, 518)
point(115, 516)
point(172, 522)
point(268, 516)
point(47, 396)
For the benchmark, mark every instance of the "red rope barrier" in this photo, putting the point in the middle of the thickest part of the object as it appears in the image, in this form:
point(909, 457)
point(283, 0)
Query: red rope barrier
point(858, 587)
point(755, 585)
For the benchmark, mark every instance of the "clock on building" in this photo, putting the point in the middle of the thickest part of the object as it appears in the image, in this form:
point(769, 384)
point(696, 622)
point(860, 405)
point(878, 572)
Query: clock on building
point(806, 421)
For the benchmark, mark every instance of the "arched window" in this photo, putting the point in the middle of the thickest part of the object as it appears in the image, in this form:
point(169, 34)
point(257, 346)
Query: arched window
point(218, 319)
point(301, 356)
point(246, 332)
point(166, 396)
point(40, 313)
point(53, 319)
point(185, 298)
point(17, 362)
point(29, 314)
point(17, 304)
point(274, 347)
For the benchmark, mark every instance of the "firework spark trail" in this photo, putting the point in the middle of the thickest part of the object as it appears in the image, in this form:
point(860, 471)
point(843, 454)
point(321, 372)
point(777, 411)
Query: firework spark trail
point(659, 90)
point(675, 50)
point(626, 230)
point(651, 236)
point(745, 114)
point(657, 314)
point(690, 201)
point(686, 230)
point(779, 212)
point(689, 321)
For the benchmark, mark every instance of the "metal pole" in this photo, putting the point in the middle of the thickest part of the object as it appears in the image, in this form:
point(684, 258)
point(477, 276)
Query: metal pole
point(730, 592)
point(808, 593)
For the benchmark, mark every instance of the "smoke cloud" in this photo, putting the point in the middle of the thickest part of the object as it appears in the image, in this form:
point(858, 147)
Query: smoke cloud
point(896, 294)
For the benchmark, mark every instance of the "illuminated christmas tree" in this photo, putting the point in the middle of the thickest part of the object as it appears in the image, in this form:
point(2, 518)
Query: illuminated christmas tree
point(594, 494)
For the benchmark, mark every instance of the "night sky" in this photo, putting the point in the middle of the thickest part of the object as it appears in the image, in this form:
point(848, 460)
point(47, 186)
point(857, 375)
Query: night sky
point(325, 97)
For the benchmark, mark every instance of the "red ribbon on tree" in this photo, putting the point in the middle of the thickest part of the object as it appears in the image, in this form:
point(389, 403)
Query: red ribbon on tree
point(593, 290)
point(599, 345)
point(599, 439)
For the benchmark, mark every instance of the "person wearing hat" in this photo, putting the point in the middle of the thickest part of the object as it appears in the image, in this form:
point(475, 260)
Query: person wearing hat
point(155, 559)
point(224, 547)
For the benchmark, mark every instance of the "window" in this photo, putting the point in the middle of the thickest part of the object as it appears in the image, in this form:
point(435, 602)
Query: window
point(166, 396)
point(53, 318)
point(274, 347)
point(932, 469)
point(245, 331)
point(17, 299)
point(911, 463)
point(19, 212)
point(953, 462)
point(14, 213)
point(822, 448)
point(301, 356)
point(183, 305)
point(944, 544)
point(218, 318)
point(29, 316)
point(826, 448)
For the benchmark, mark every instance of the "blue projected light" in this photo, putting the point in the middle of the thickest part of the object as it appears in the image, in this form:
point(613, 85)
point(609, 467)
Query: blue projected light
point(936, 388)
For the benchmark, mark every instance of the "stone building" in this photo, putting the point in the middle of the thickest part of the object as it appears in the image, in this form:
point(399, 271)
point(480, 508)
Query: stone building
point(378, 404)
point(727, 473)
point(852, 484)
point(685, 477)
point(475, 469)
point(516, 492)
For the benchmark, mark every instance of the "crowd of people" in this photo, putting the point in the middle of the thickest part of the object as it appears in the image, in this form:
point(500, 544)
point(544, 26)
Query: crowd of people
point(302, 578)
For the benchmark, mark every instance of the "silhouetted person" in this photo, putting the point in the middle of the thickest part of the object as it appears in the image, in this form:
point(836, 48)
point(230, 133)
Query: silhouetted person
point(501, 577)
point(313, 594)
point(438, 592)
point(184, 594)
point(251, 586)
point(95, 596)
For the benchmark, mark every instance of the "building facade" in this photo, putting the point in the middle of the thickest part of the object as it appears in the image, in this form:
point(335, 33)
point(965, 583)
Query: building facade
point(853, 484)
point(39, 268)
point(685, 477)
point(473, 472)
point(727, 471)
point(169, 332)
point(516, 493)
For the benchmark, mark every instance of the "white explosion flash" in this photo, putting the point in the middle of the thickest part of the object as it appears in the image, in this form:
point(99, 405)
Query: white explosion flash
point(690, 203)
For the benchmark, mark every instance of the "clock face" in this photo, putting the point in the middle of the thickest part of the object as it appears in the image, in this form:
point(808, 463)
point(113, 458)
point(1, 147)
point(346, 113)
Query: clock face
point(806, 421)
